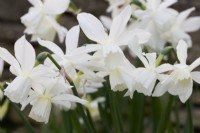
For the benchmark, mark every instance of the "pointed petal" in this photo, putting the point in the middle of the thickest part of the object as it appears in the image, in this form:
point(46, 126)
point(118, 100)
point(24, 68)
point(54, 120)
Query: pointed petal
point(191, 24)
point(195, 64)
point(72, 37)
point(55, 7)
point(151, 57)
point(107, 22)
point(6, 56)
point(164, 68)
point(119, 23)
point(183, 15)
point(182, 51)
point(51, 46)
point(25, 54)
point(196, 76)
point(18, 89)
point(92, 27)
point(68, 97)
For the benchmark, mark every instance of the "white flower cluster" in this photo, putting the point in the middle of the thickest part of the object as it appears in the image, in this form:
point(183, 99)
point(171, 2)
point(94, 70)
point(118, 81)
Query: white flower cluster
point(44, 84)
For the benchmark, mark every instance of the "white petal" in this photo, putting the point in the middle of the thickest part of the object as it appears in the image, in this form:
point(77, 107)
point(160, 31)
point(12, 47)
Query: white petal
point(151, 57)
point(164, 68)
point(51, 46)
point(68, 97)
point(160, 89)
point(107, 22)
point(183, 15)
point(116, 81)
point(119, 23)
point(191, 24)
point(183, 89)
point(25, 54)
point(195, 64)
point(196, 76)
point(6, 56)
point(72, 37)
point(41, 110)
point(18, 89)
point(56, 6)
point(182, 51)
point(92, 27)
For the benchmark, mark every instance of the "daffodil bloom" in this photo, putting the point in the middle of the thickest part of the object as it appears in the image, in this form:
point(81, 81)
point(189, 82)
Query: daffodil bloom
point(181, 25)
point(74, 57)
point(1, 66)
point(40, 21)
point(148, 75)
point(55, 92)
point(156, 19)
point(180, 81)
point(118, 35)
point(23, 67)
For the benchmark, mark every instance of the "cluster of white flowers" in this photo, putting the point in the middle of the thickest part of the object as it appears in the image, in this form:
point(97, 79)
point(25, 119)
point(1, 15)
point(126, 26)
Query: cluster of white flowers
point(86, 66)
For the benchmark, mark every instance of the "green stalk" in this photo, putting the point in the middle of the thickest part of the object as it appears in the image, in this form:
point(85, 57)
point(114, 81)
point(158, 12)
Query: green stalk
point(28, 126)
point(165, 117)
point(177, 115)
point(66, 122)
point(114, 110)
point(138, 113)
point(77, 126)
point(189, 124)
point(104, 118)
point(156, 111)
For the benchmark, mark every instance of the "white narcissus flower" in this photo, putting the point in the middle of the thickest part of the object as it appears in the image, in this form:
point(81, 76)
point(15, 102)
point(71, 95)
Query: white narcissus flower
point(55, 92)
point(1, 66)
point(40, 21)
point(74, 57)
point(118, 35)
point(181, 25)
point(148, 75)
point(23, 67)
point(180, 81)
point(156, 19)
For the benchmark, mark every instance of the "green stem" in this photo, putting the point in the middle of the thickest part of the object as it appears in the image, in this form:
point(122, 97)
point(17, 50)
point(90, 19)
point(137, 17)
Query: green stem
point(165, 117)
point(104, 118)
point(66, 122)
point(189, 123)
point(24, 119)
point(177, 116)
point(77, 126)
point(156, 111)
point(114, 109)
